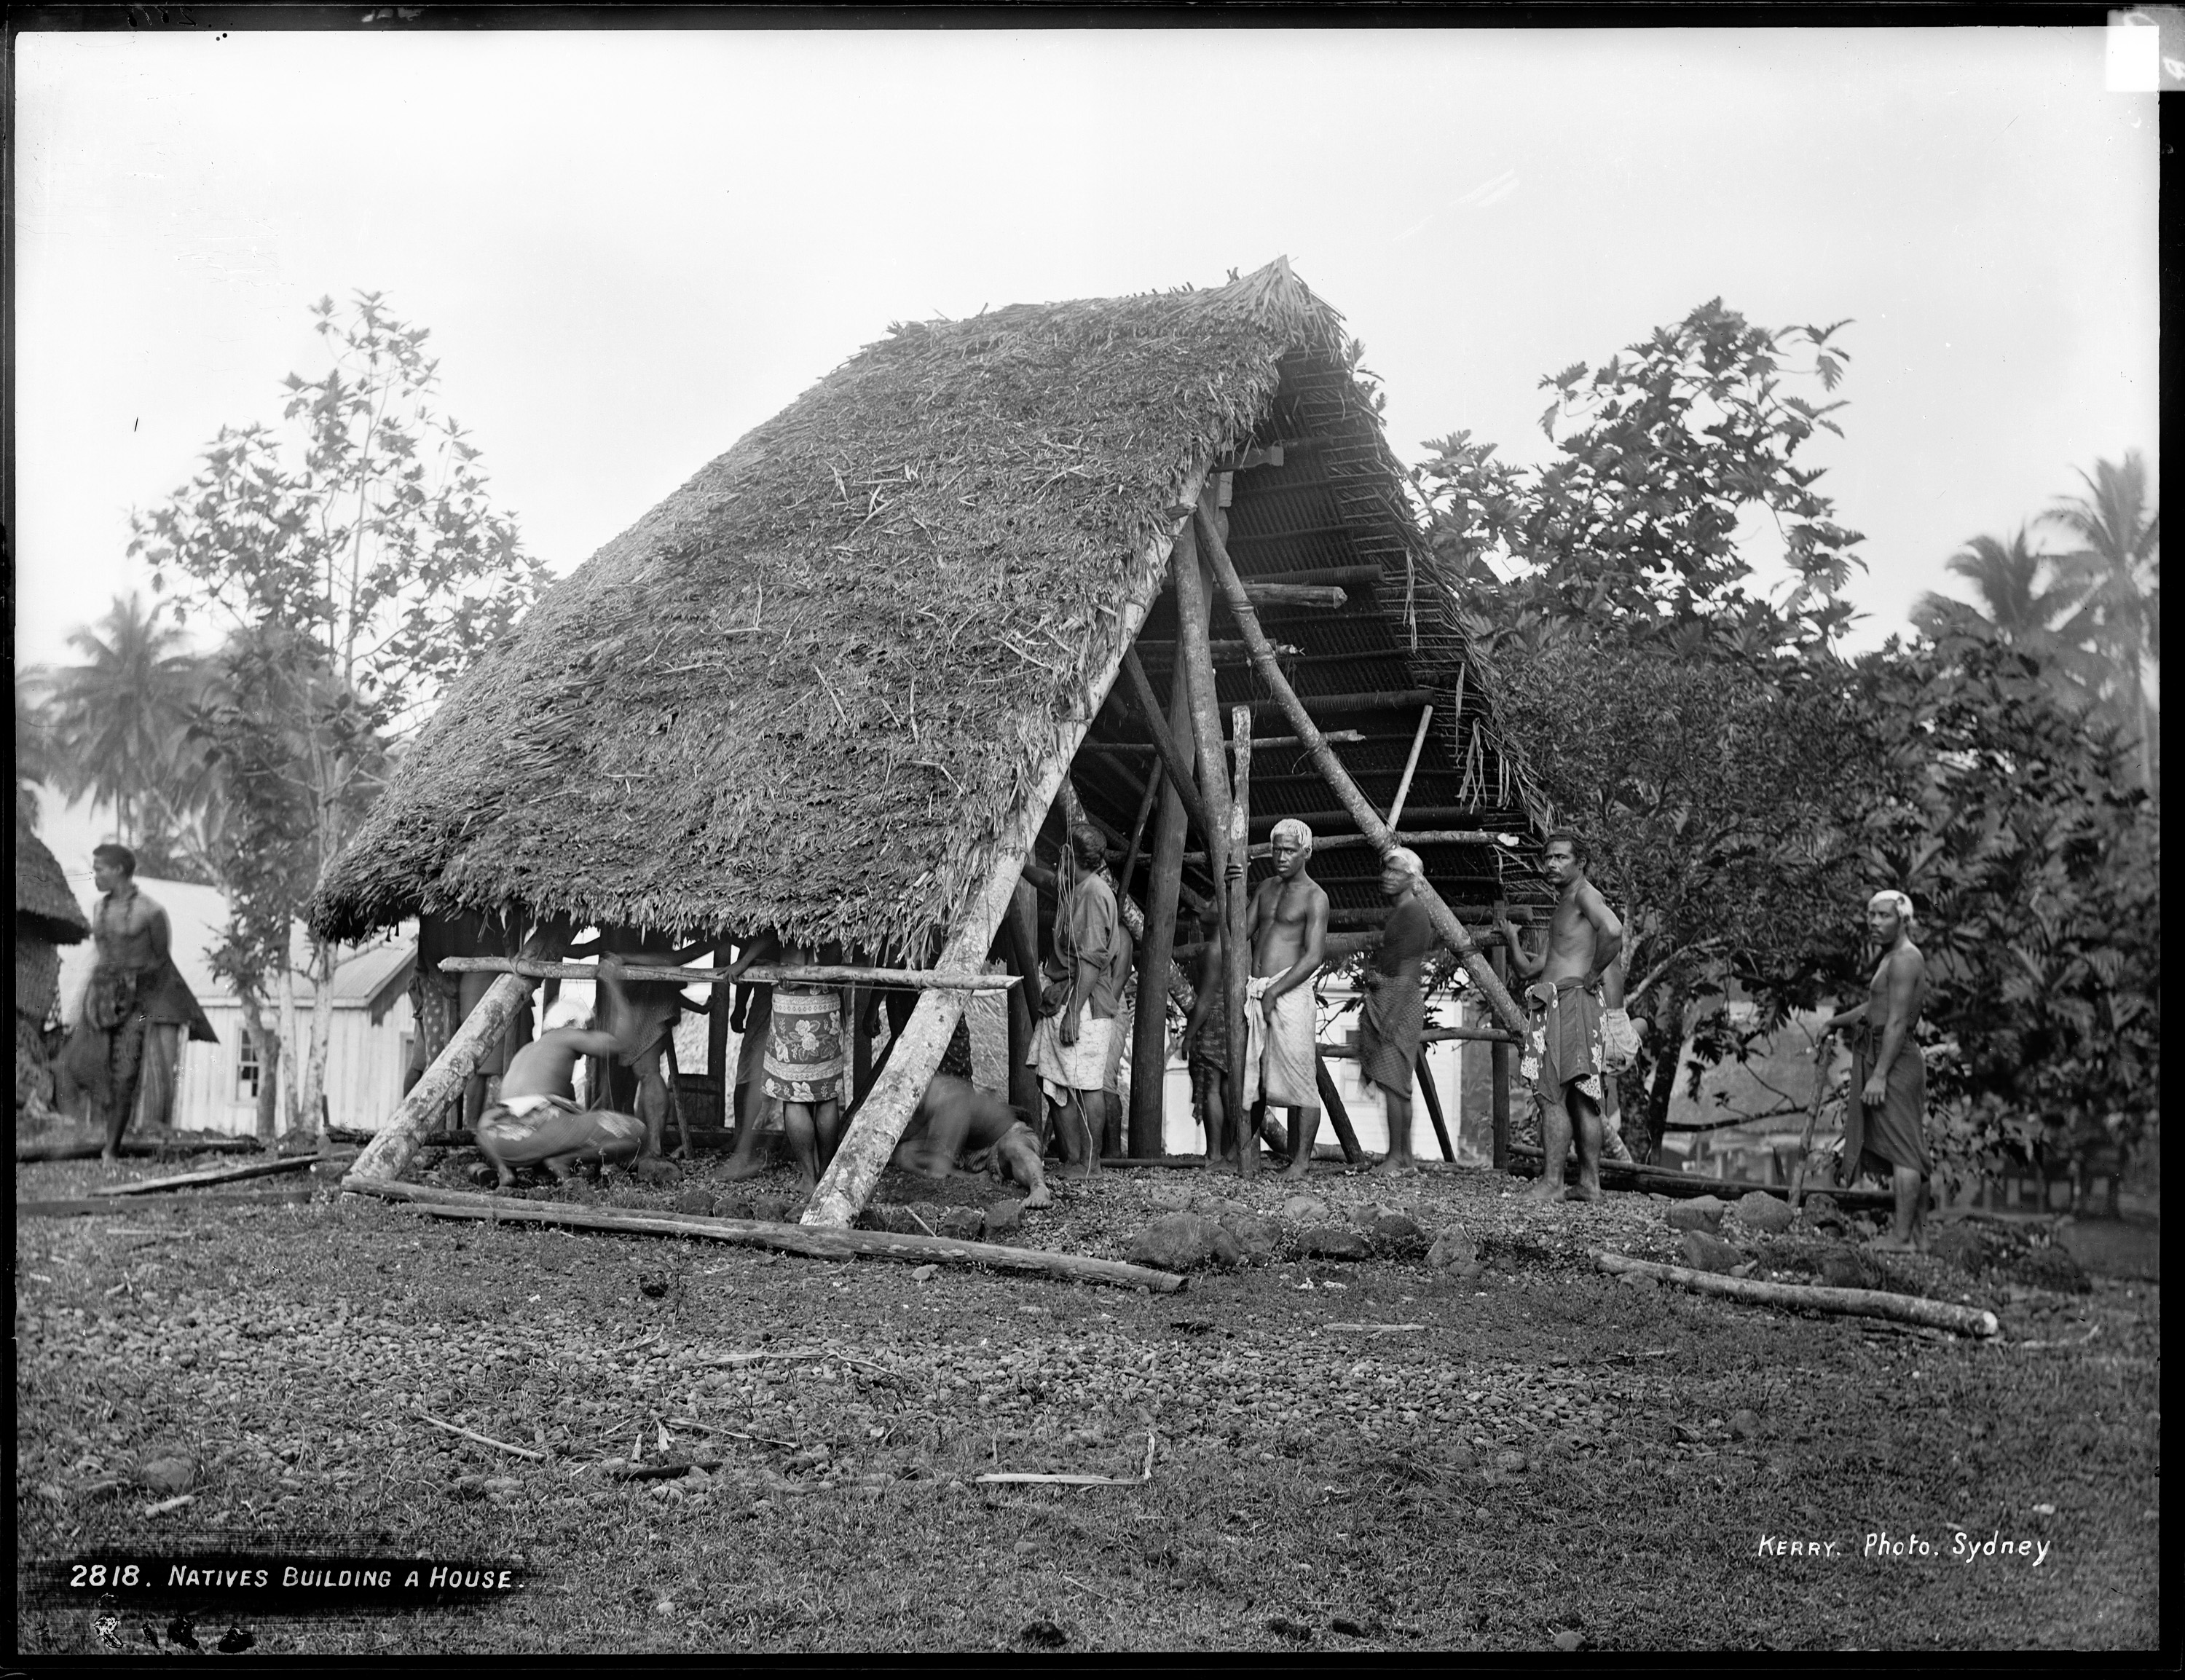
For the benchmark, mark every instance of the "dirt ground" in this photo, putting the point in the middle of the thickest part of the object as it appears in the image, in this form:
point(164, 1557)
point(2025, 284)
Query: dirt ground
point(1373, 1454)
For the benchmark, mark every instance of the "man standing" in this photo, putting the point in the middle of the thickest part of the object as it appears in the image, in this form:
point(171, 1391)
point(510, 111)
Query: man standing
point(1393, 1015)
point(1091, 959)
point(1885, 1126)
point(136, 1004)
point(1566, 1053)
point(1289, 942)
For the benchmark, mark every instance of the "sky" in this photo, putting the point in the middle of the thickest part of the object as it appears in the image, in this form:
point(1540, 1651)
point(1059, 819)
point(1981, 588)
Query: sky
point(631, 248)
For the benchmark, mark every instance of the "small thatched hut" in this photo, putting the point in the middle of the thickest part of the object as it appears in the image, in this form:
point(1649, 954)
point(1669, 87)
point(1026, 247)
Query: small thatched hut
point(831, 685)
point(46, 918)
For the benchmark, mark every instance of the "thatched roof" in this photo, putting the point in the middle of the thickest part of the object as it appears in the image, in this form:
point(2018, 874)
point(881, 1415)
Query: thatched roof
point(806, 690)
point(45, 909)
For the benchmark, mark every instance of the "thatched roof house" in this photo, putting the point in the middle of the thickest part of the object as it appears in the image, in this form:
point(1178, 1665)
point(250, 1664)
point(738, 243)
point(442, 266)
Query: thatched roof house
point(812, 688)
point(45, 909)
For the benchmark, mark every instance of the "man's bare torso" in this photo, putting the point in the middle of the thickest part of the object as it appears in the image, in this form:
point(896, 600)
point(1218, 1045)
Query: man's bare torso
point(1282, 916)
point(1573, 942)
point(1877, 989)
point(543, 1068)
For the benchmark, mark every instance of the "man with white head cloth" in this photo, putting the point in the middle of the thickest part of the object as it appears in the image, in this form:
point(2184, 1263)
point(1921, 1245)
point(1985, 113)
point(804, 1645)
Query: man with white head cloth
point(1289, 942)
point(1393, 1014)
point(1885, 1128)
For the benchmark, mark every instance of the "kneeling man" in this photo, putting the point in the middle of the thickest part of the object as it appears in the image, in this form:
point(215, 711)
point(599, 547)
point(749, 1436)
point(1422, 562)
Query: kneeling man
point(957, 1127)
point(536, 1120)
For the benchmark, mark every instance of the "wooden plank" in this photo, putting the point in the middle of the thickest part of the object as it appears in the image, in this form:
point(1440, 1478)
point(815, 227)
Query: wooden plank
point(389, 1153)
point(1873, 1303)
point(1410, 765)
point(1327, 599)
point(1330, 706)
point(134, 1149)
point(810, 1242)
point(759, 973)
point(1499, 1083)
point(287, 1163)
point(1445, 921)
point(871, 1139)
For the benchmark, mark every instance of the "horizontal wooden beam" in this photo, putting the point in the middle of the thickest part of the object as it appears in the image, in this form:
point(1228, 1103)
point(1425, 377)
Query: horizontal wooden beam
point(1326, 597)
point(802, 973)
point(1147, 750)
point(1342, 820)
point(1225, 653)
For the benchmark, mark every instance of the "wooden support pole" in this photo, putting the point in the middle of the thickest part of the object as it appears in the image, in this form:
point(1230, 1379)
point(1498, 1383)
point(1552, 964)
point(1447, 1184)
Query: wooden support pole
point(1148, 796)
point(870, 1140)
point(719, 1005)
point(1339, 1116)
point(759, 973)
point(1157, 950)
point(1022, 939)
point(1240, 1107)
point(1410, 765)
point(1433, 1095)
point(813, 1243)
point(861, 1045)
point(1170, 750)
point(389, 1153)
point(1498, 1060)
point(1369, 822)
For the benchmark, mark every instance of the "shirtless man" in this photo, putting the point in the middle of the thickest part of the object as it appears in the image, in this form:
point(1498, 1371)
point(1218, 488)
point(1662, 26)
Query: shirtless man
point(642, 1015)
point(1289, 942)
point(958, 1126)
point(1393, 1016)
point(1885, 1122)
point(1566, 1053)
point(1089, 962)
point(536, 1120)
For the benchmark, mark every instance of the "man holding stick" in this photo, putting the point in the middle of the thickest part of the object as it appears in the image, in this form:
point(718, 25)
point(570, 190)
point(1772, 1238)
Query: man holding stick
point(1393, 1015)
point(1289, 942)
point(1566, 1053)
point(1885, 1127)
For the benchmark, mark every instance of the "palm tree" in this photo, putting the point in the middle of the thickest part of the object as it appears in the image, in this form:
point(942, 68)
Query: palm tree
point(121, 721)
point(34, 747)
point(2116, 573)
point(2024, 610)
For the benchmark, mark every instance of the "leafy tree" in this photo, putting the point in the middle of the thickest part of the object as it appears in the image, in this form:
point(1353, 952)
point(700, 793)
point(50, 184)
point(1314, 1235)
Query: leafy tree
point(35, 762)
point(363, 564)
point(2116, 573)
point(1674, 711)
point(118, 728)
point(2033, 861)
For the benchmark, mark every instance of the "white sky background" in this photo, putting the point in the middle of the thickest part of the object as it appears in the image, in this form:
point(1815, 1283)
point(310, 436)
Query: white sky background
point(631, 248)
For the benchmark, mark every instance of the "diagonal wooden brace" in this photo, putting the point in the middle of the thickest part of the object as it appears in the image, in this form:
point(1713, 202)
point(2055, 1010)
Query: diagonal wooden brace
point(1339, 780)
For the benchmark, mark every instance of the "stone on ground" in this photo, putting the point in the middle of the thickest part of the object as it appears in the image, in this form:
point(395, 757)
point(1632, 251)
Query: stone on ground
point(1392, 1227)
point(169, 1473)
point(1004, 1218)
point(1701, 1212)
point(695, 1199)
point(964, 1224)
point(1454, 1250)
point(1305, 1210)
point(1334, 1243)
point(1169, 1196)
point(1256, 1237)
point(1706, 1253)
point(1961, 1245)
point(1763, 1212)
point(1180, 1241)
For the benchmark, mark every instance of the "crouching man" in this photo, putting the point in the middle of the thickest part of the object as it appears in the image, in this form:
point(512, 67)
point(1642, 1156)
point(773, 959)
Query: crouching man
point(957, 1127)
point(536, 1120)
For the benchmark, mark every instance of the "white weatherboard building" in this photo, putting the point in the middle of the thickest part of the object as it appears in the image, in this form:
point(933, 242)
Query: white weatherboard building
point(218, 1089)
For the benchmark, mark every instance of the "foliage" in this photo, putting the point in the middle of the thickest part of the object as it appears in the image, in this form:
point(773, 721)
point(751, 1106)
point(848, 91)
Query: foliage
point(117, 727)
point(1637, 522)
point(2115, 574)
point(36, 760)
point(2033, 861)
point(359, 566)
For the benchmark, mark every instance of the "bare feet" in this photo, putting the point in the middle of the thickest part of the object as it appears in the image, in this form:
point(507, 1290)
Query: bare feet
point(1041, 1198)
point(1545, 1192)
point(1394, 1163)
point(1582, 1191)
point(745, 1168)
point(1297, 1170)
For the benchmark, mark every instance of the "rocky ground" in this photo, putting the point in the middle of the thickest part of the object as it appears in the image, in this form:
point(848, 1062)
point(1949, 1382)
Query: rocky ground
point(1414, 1414)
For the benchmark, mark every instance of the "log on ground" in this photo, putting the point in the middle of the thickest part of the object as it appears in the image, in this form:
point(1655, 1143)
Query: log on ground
point(135, 1148)
point(1873, 1304)
point(819, 1243)
point(287, 1163)
point(1628, 1176)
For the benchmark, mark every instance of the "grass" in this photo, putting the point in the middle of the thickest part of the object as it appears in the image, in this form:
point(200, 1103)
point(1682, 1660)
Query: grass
point(1550, 1453)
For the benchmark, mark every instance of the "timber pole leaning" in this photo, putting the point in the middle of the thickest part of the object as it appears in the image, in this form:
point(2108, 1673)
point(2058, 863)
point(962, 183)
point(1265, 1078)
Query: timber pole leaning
point(1157, 966)
point(800, 974)
point(1451, 930)
point(389, 1153)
